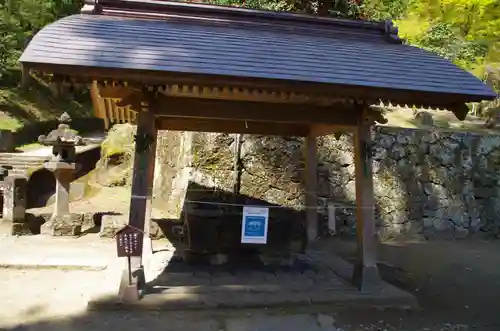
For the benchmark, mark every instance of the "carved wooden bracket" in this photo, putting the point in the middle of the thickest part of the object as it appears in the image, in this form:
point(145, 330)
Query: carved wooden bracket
point(460, 111)
point(371, 116)
point(391, 32)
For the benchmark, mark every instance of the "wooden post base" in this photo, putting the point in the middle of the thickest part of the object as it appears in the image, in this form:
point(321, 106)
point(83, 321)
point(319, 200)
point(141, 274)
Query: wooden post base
point(132, 292)
point(367, 279)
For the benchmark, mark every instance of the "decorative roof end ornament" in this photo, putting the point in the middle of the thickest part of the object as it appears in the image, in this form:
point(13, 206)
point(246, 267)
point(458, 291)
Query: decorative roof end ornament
point(391, 32)
point(91, 7)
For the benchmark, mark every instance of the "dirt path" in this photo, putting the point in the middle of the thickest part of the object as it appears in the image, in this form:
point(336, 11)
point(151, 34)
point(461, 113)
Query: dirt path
point(457, 285)
point(455, 282)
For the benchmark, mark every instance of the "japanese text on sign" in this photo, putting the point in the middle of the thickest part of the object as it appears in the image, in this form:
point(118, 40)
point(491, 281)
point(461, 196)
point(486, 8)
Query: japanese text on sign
point(129, 242)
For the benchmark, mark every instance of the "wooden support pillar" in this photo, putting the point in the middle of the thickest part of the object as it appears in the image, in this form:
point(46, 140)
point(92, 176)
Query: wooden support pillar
point(151, 178)
point(25, 77)
point(140, 201)
point(366, 275)
point(311, 187)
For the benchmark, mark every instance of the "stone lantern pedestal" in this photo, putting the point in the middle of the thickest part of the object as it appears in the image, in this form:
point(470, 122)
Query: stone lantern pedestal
point(63, 141)
point(62, 222)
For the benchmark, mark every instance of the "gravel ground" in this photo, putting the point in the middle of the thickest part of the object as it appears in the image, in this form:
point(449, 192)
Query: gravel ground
point(457, 285)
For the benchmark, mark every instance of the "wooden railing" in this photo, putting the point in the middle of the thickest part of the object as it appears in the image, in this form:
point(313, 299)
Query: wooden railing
point(107, 109)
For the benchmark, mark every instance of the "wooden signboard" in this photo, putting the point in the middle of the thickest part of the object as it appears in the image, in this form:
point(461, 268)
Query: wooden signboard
point(129, 241)
point(128, 244)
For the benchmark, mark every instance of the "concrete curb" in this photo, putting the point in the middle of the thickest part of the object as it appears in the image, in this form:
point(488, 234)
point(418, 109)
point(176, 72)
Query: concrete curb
point(158, 302)
point(51, 266)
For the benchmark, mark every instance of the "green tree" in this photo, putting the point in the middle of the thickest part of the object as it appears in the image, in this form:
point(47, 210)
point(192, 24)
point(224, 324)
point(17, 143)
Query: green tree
point(385, 9)
point(463, 31)
point(341, 8)
point(19, 19)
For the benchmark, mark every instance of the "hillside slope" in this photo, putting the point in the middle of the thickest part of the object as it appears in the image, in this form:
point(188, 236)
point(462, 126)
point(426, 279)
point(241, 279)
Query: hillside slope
point(19, 107)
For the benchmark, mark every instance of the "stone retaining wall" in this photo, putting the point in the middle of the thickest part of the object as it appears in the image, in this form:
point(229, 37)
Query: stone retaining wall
point(427, 183)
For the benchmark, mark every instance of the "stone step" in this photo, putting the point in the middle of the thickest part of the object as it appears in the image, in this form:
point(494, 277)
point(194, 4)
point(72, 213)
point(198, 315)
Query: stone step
point(23, 156)
point(19, 172)
point(22, 160)
point(22, 163)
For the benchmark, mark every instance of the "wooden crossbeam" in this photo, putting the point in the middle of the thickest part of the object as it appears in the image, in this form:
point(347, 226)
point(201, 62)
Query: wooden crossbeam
point(231, 126)
point(255, 111)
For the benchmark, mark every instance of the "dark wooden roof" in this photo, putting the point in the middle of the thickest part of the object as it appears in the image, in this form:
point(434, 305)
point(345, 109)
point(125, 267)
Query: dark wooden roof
point(187, 39)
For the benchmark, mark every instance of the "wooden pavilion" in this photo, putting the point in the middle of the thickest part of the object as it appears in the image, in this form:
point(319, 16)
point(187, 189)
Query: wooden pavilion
point(193, 67)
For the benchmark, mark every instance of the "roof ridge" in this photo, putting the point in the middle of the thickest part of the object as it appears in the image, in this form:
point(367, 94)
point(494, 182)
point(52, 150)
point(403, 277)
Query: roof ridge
point(141, 7)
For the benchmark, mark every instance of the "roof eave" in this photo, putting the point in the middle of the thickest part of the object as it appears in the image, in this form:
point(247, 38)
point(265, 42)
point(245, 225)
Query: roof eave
point(372, 94)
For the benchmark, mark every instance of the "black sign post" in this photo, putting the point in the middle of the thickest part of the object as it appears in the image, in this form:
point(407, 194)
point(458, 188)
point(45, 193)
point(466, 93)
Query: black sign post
point(129, 243)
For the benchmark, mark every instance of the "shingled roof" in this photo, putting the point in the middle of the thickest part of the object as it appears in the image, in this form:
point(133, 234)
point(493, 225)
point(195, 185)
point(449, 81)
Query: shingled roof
point(179, 38)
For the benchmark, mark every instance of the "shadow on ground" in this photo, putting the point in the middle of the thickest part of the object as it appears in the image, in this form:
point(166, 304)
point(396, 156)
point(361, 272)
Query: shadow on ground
point(453, 280)
point(457, 284)
point(42, 184)
point(212, 231)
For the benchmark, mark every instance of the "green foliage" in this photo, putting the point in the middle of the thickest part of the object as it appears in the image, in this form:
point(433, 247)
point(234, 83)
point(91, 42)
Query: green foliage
point(19, 19)
point(275, 5)
point(385, 9)
point(464, 31)
point(448, 42)
point(343, 8)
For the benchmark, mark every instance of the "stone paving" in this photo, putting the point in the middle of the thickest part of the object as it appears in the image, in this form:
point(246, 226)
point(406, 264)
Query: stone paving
point(173, 285)
point(303, 276)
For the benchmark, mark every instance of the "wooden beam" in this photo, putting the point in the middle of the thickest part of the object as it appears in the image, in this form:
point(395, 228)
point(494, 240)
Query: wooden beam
point(366, 275)
point(311, 187)
point(325, 130)
point(418, 99)
point(231, 126)
point(368, 94)
point(256, 111)
point(117, 90)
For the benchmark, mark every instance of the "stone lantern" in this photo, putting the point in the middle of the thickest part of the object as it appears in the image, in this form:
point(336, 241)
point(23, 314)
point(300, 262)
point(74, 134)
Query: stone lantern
point(64, 141)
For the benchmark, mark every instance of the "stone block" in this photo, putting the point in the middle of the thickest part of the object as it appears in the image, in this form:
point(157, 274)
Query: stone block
point(88, 221)
point(21, 229)
point(6, 141)
point(30, 226)
point(277, 260)
point(461, 233)
point(63, 225)
point(110, 224)
point(218, 259)
point(14, 201)
point(155, 231)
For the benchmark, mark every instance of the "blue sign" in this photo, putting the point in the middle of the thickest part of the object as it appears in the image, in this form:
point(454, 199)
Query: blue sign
point(254, 225)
